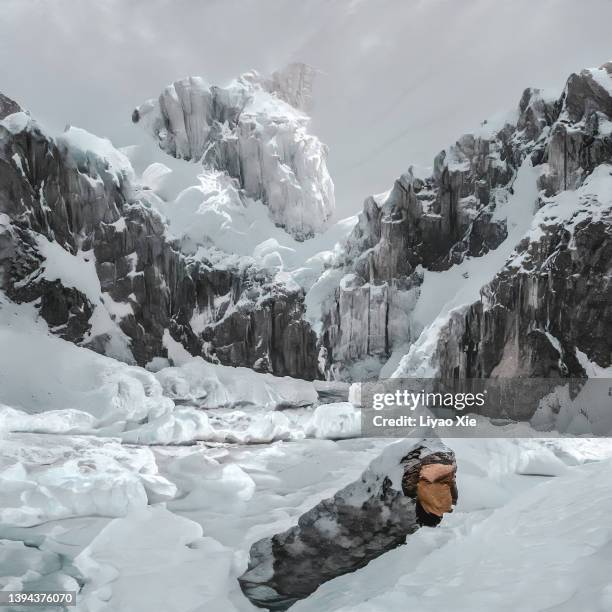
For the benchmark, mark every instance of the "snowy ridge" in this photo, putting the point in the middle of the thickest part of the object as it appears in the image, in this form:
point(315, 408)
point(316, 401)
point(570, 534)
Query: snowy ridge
point(213, 220)
point(464, 281)
point(568, 190)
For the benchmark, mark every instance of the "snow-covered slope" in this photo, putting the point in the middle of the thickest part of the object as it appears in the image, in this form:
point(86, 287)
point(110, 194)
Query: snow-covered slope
point(566, 237)
point(516, 543)
point(76, 391)
point(108, 520)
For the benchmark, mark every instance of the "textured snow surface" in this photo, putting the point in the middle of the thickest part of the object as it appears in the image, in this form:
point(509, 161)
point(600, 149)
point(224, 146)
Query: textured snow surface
point(591, 201)
point(602, 77)
point(214, 219)
point(172, 526)
point(87, 150)
point(78, 391)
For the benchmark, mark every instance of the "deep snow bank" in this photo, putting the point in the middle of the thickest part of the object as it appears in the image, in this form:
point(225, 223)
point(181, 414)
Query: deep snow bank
point(77, 391)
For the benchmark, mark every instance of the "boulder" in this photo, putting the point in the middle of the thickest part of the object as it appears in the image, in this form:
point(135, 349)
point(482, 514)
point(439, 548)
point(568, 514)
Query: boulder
point(412, 484)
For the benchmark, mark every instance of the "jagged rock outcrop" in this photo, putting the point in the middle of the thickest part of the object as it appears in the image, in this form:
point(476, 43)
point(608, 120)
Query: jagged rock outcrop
point(368, 319)
point(551, 299)
point(580, 139)
point(547, 312)
point(436, 221)
point(79, 241)
point(247, 130)
point(411, 484)
point(84, 241)
point(8, 106)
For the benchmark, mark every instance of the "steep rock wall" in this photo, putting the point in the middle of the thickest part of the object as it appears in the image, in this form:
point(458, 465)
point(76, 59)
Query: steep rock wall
point(70, 201)
point(436, 221)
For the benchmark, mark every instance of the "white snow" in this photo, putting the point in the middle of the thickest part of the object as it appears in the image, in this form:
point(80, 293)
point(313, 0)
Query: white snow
point(207, 212)
point(79, 271)
point(86, 148)
point(496, 122)
point(602, 77)
point(280, 163)
point(335, 421)
point(139, 525)
point(17, 159)
point(145, 560)
point(17, 122)
point(54, 477)
point(174, 525)
point(213, 386)
point(514, 542)
point(590, 201)
point(591, 368)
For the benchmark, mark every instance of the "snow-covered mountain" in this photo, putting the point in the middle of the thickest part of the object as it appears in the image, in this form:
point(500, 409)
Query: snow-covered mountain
point(466, 271)
point(499, 262)
point(85, 239)
point(175, 319)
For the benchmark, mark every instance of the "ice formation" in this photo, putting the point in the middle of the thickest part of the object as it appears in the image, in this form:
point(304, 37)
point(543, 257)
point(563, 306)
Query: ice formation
point(249, 133)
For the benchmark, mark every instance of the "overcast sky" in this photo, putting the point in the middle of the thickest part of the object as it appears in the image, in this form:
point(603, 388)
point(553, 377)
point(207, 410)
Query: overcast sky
point(399, 80)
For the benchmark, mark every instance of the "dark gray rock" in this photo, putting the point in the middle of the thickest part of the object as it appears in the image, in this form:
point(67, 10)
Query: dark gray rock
point(395, 496)
point(8, 106)
point(50, 190)
point(530, 320)
point(533, 318)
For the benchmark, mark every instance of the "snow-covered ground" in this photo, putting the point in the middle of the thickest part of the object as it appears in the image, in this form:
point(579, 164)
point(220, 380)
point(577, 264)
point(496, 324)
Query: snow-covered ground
point(144, 491)
point(77, 391)
point(534, 541)
point(152, 528)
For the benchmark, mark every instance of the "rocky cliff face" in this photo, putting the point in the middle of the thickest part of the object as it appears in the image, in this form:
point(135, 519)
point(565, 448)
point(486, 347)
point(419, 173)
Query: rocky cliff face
point(248, 130)
point(8, 106)
point(550, 304)
point(79, 240)
point(437, 221)
point(547, 312)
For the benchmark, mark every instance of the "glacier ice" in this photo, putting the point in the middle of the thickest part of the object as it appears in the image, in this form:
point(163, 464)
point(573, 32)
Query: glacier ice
point(249, 132)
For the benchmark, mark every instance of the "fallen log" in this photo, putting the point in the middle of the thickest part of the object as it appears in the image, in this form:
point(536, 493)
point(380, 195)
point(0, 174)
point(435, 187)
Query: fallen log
point(412, 484)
